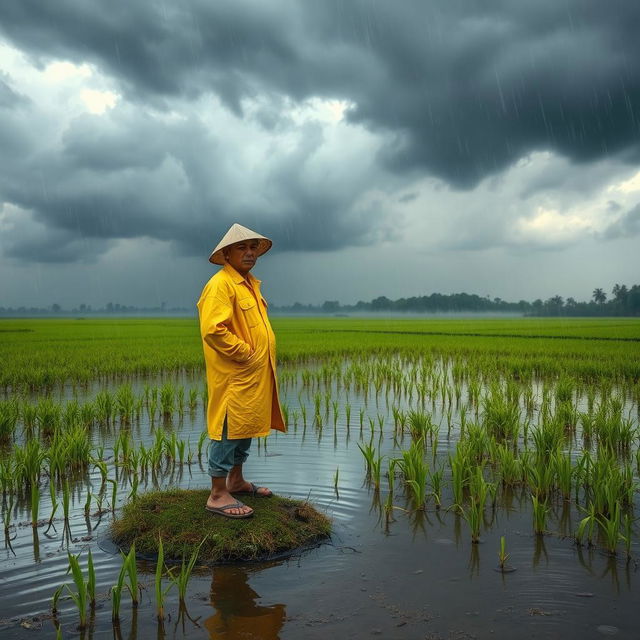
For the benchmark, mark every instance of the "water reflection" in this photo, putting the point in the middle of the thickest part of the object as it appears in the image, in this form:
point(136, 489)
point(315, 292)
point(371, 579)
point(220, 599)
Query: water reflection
point(238, 614)
point(540, 551)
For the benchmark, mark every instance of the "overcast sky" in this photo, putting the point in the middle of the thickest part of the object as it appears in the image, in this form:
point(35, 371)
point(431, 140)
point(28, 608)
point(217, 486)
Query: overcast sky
point(388, 148)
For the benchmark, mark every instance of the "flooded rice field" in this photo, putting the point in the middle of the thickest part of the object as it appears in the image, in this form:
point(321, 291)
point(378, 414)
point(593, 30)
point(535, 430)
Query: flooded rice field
point(428, 469)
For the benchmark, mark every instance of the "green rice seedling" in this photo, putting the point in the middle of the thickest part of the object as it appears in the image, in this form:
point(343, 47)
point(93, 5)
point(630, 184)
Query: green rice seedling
point(563, 471)
point(610, 529)
point(181, 580)
point(372, 425)
point(170, 446)
point(181, 446)
point(114, 493)
point(501, 417)
point(167, 400)
point(91, 581)
point(334, 404)
point(180, 400)
point(48, 416)
point(125, 404)
point(80, 596)
point(361, 416)
point(336, 476)
point(138, 407)
point(460, 466)
point(528, 399)
point(473, 515)
point(102, 467)
point(54, 502)
point(503, 556)
point(8, 419)
point(29, 414)
point(463, 419)
point(131, 575)
point(317, 402)
point(565, 389)
point(567, 415)
point(152, 409)
point(54, 600)
point(391, 473)
point(435, 480)
point(415, 472)
point(6, 516)
point(159, 591)
point(587, 524)
point(285, 413)
point(193, 399)
point(303, 413)
point(116, 593)
point(477, 442)
point(87, 414)
point(122, 448)
point(478, 485)
point(434, 450)
point(509, 466)
point(203, 436)
point(104, 407)
point(540, 511)
point(420, 425)
point(35, 503)
point(133, 494)
point(75, 448)
point(28, 462)
point(541, 477)
point(373, 463)
point(347, 410)
point(66, 500)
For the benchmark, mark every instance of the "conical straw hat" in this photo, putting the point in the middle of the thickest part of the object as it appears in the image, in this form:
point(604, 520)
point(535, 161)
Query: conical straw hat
point(238, 233)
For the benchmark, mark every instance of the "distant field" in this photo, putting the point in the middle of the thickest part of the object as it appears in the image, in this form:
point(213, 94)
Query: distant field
point(37, 353)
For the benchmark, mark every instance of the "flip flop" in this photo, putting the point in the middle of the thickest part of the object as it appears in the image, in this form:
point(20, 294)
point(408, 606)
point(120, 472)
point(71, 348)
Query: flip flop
point(254, 492)
point(222, 511)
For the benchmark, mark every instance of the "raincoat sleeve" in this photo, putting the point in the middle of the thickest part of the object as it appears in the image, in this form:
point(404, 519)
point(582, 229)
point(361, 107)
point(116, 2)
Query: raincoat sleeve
point(216, 311)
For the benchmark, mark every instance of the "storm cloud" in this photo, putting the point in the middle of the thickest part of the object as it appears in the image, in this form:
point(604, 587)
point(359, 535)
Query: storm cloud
point(325, 125)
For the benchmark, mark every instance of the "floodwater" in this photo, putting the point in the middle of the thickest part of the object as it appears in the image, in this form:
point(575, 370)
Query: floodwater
point(414, 575)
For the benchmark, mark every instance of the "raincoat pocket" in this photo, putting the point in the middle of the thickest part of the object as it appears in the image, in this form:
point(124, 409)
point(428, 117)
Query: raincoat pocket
point(250, 311)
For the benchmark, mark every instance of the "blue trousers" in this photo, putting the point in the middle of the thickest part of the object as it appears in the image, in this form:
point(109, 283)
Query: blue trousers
point(225, 454)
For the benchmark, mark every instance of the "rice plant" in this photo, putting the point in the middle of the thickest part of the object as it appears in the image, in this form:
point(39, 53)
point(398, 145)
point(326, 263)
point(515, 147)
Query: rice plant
point(182, 577)
point(415, 472)
point(540, 511)
point(503, 556)
point(159, 590)
point(81, 595)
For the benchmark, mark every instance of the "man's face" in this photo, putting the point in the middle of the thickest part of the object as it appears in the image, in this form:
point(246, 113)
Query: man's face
point(242, 255)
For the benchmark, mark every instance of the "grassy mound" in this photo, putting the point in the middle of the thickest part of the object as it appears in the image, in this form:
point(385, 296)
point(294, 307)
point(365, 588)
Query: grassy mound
point(278, 525)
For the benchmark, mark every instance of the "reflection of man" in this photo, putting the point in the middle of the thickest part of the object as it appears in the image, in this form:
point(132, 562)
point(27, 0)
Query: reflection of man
point(237, 614)
point(240, 356)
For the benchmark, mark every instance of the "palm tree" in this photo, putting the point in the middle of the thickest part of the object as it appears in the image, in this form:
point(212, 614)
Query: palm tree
point(599, 296)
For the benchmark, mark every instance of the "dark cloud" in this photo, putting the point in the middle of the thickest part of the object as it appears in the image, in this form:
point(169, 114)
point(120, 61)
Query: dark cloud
point(627, 226)
point(457, 90)
point(466, 88)
point(129, 174)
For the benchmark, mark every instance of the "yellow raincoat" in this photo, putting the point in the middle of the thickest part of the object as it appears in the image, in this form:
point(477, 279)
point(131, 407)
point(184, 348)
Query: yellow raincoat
point(240, 355)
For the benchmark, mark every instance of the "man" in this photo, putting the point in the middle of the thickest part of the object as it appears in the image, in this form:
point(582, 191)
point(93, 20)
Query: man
point(240, 356)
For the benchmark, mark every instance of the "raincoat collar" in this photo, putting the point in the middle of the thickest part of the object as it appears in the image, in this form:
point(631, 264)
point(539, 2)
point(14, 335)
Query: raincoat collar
point(237, 278)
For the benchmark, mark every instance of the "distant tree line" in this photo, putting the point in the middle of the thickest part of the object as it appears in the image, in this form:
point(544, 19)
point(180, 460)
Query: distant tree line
point(110, 308)
point(622, 302)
